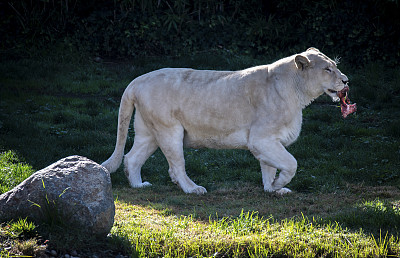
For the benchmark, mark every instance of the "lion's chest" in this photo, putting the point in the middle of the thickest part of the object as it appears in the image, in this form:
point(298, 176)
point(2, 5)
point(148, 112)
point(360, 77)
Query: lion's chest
point(289, 133)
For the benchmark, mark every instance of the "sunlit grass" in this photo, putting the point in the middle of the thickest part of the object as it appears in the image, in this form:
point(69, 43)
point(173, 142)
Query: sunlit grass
point(153, 234)
point(375, 216)
point(12, 171)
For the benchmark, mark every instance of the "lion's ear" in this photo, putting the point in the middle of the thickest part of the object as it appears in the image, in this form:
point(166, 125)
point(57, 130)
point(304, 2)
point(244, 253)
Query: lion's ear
point(302, 62)
point(313, 49)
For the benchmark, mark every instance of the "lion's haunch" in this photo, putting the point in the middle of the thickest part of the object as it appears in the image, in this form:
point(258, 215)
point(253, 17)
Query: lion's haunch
point(345, 105)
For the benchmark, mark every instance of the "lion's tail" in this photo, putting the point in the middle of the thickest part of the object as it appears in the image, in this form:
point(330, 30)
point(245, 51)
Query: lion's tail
point(124, 117)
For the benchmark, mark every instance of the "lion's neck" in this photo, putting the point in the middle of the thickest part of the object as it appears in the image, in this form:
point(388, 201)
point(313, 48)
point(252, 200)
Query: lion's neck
point(305, 97)
point(287, 75)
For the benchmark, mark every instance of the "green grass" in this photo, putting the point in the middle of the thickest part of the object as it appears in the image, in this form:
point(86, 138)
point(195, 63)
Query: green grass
point(346, 197)
point(153, 234)
point(13, 171)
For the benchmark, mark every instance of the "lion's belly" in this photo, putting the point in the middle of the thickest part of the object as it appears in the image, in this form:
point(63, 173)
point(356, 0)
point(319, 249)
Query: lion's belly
point(218, 140)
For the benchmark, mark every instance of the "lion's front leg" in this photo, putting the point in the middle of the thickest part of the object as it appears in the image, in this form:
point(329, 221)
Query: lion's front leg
point(272, 156)
point(268, 176)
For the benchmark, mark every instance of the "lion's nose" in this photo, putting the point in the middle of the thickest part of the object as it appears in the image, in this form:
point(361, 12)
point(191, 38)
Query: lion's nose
point(345, 80)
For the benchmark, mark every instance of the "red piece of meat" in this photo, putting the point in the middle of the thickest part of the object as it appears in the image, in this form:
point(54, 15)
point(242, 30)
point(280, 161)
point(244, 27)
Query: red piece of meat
point(345, 105)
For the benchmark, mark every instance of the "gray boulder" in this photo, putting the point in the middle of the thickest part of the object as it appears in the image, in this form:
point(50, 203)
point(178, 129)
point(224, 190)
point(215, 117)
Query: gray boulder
point(73, 191)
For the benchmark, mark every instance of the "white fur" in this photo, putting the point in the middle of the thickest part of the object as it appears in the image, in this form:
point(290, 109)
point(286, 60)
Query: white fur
point(258, 109)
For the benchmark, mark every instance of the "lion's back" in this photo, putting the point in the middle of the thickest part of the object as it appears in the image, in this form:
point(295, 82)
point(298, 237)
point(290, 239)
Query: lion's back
point(209, 105)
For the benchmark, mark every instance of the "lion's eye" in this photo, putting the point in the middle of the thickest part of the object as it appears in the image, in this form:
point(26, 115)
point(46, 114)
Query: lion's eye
point(328, 69)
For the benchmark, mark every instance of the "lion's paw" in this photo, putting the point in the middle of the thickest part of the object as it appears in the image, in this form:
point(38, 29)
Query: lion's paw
point(145, 184)
point(269, 189)
point(199, 190)
point(283, 191)
point(141, 185)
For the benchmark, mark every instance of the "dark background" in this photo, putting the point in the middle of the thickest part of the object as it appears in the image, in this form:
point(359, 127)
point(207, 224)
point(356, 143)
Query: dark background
point(358, 30)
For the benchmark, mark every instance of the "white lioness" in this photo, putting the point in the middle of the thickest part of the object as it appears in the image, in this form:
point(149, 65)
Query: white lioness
point(257, 109)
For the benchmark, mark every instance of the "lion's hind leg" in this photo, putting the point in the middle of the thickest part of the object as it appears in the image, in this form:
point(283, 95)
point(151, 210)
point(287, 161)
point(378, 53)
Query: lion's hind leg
point(171, 144)
point(143, 148)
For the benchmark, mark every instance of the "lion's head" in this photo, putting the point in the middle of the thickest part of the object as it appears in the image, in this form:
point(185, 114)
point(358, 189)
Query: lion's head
point(321, 73)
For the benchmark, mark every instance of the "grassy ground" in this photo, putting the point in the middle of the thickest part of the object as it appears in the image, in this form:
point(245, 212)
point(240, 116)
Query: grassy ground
point(347, 188)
